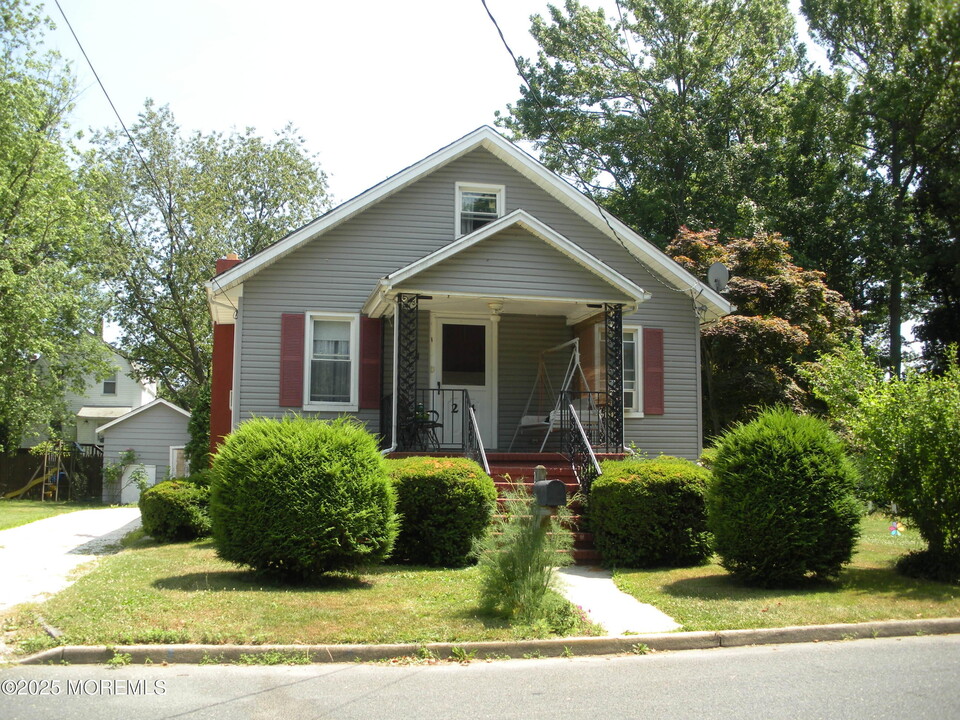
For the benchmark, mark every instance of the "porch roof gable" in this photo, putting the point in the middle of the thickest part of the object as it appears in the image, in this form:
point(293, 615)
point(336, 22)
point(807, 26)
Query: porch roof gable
point(619, 288)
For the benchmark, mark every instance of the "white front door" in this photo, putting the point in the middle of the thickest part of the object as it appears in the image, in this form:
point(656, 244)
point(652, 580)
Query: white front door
point(463, 356)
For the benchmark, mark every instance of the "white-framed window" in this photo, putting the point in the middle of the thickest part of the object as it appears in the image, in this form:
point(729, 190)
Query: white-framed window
point(477, 205)
point(110, 385)
point(632, 370)
point(332, 364)
point(632, 339)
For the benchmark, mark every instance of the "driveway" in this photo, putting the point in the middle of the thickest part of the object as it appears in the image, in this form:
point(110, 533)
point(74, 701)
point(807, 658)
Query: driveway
point(39, 559)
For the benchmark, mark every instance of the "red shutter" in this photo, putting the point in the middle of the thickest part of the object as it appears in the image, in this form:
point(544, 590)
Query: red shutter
point(652, 371)
point(291, 359)
point(370, 359)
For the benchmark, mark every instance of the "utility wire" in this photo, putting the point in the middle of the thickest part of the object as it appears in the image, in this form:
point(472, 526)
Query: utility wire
point(571, 161)
point(168, 215)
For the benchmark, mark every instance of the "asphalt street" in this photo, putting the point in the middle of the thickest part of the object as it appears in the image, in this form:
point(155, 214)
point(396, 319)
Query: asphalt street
point(911, 677)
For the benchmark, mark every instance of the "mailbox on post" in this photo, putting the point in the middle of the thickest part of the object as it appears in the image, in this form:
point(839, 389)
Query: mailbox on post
point(548, 493)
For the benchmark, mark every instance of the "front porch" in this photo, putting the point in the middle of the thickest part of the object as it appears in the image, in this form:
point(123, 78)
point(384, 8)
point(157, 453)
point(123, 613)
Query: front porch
point(535, 383)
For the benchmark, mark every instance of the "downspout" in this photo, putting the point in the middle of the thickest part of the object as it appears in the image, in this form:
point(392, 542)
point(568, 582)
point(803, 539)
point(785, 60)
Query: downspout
point(393, 395)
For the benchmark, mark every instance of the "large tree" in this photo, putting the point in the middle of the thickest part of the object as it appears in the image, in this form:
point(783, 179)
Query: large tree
point(50, 307)
point(175, 203)
point(665, 112)
point(903, 61)
point(785, 316)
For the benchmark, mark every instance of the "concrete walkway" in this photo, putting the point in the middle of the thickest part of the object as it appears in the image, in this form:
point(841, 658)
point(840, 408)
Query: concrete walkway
point(39, 559)
point(611, 608)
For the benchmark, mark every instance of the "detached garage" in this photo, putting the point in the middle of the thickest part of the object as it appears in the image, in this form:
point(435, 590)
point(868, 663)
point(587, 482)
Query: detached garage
point(157, 432)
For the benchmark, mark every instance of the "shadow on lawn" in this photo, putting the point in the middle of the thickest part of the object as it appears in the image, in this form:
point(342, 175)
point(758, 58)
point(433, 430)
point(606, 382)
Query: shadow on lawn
point(248, 581)
point(866, 581)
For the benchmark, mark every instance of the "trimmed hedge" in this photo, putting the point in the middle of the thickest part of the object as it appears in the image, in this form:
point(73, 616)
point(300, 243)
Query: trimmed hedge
point(444, 505)
point(781, 504)
point(650, 513)
point(177, 509)
point(296, 498)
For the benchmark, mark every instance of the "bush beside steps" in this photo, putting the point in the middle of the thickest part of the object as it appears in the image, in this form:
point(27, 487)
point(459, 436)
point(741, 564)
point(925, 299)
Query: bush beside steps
point(444, 504)
point(650, 513)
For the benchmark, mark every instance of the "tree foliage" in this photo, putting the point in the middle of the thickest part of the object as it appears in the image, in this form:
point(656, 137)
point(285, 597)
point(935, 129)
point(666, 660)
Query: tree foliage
point(706, 114)
point(905, 434)
point(664, 111)
point(49, 301)
point(785, 316)
point(903, 61)
point(190, 200)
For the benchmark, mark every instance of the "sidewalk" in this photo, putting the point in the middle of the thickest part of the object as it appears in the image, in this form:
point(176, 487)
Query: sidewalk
point(39, 559)
point(608, 606)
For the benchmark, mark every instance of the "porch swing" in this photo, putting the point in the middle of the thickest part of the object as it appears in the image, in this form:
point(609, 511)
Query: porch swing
point(547, 422)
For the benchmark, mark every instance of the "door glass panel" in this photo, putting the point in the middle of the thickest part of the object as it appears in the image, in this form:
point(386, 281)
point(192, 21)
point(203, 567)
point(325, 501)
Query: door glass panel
point(464, 355)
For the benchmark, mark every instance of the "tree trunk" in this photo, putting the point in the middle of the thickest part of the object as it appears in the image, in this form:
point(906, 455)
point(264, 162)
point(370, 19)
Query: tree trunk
point(895, 308)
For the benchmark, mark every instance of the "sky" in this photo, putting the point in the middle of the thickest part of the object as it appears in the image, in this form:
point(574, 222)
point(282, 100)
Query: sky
point(372, 86)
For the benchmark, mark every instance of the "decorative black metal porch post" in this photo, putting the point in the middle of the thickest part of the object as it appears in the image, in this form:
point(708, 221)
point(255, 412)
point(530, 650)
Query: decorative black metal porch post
point(613, 324)
point(408, 307)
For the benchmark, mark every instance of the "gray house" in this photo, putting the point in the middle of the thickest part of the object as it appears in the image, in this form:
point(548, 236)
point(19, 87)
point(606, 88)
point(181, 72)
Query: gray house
point(158, 433)
point(473, 302)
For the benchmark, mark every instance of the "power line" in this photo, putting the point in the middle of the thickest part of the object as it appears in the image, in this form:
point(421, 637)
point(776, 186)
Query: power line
point(169, 215)
point(571, 161)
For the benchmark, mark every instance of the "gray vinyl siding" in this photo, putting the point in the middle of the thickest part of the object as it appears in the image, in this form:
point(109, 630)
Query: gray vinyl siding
point(150, 434)
point(522, 338)
point(338, 271)
point(516, 263)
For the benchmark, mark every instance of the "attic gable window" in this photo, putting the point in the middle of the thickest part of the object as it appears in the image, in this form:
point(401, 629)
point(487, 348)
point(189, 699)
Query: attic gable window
point(110, 385)
point(477, 205)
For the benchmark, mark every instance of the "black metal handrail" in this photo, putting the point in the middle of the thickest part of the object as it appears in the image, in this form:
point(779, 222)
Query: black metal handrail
point(595, 412)
point(576, 445)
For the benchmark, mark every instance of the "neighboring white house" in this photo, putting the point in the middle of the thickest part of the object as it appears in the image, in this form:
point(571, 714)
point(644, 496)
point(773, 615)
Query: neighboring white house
point(105, 399)
point(158, 433)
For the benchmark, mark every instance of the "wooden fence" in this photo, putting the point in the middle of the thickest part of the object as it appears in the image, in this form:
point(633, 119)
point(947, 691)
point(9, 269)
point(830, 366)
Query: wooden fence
point(81, 478)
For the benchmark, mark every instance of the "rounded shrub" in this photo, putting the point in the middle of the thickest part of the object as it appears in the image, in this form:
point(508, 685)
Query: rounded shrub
point(444, 505)
point(650, 513)
point(176, 509)
point(781, 504)
point(295, 497)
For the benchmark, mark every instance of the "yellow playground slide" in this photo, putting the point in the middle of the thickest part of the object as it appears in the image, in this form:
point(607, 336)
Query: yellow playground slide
point(32, 483)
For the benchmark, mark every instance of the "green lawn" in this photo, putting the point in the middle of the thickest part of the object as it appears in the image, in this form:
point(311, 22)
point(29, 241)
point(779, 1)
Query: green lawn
point(708, 598)
point(14, 513)
point(182, 593)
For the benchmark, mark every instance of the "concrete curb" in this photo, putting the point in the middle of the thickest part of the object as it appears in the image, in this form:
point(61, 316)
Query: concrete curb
point(554, 647)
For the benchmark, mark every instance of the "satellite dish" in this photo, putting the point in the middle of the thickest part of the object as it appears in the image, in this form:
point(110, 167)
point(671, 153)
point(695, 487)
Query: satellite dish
point(717, 276)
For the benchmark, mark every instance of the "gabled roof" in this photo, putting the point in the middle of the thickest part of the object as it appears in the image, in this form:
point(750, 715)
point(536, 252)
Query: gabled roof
point(142, 409)
point(378, 302)
point(487, 138)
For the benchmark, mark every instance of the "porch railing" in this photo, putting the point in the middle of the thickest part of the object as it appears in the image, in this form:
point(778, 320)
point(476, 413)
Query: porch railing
point(577, 446)
point(594, 412)
point(442, 420)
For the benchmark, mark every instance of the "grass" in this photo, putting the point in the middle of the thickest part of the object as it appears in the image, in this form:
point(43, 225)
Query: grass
point(182, 593)
point(708, 598)
point(14, 513)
